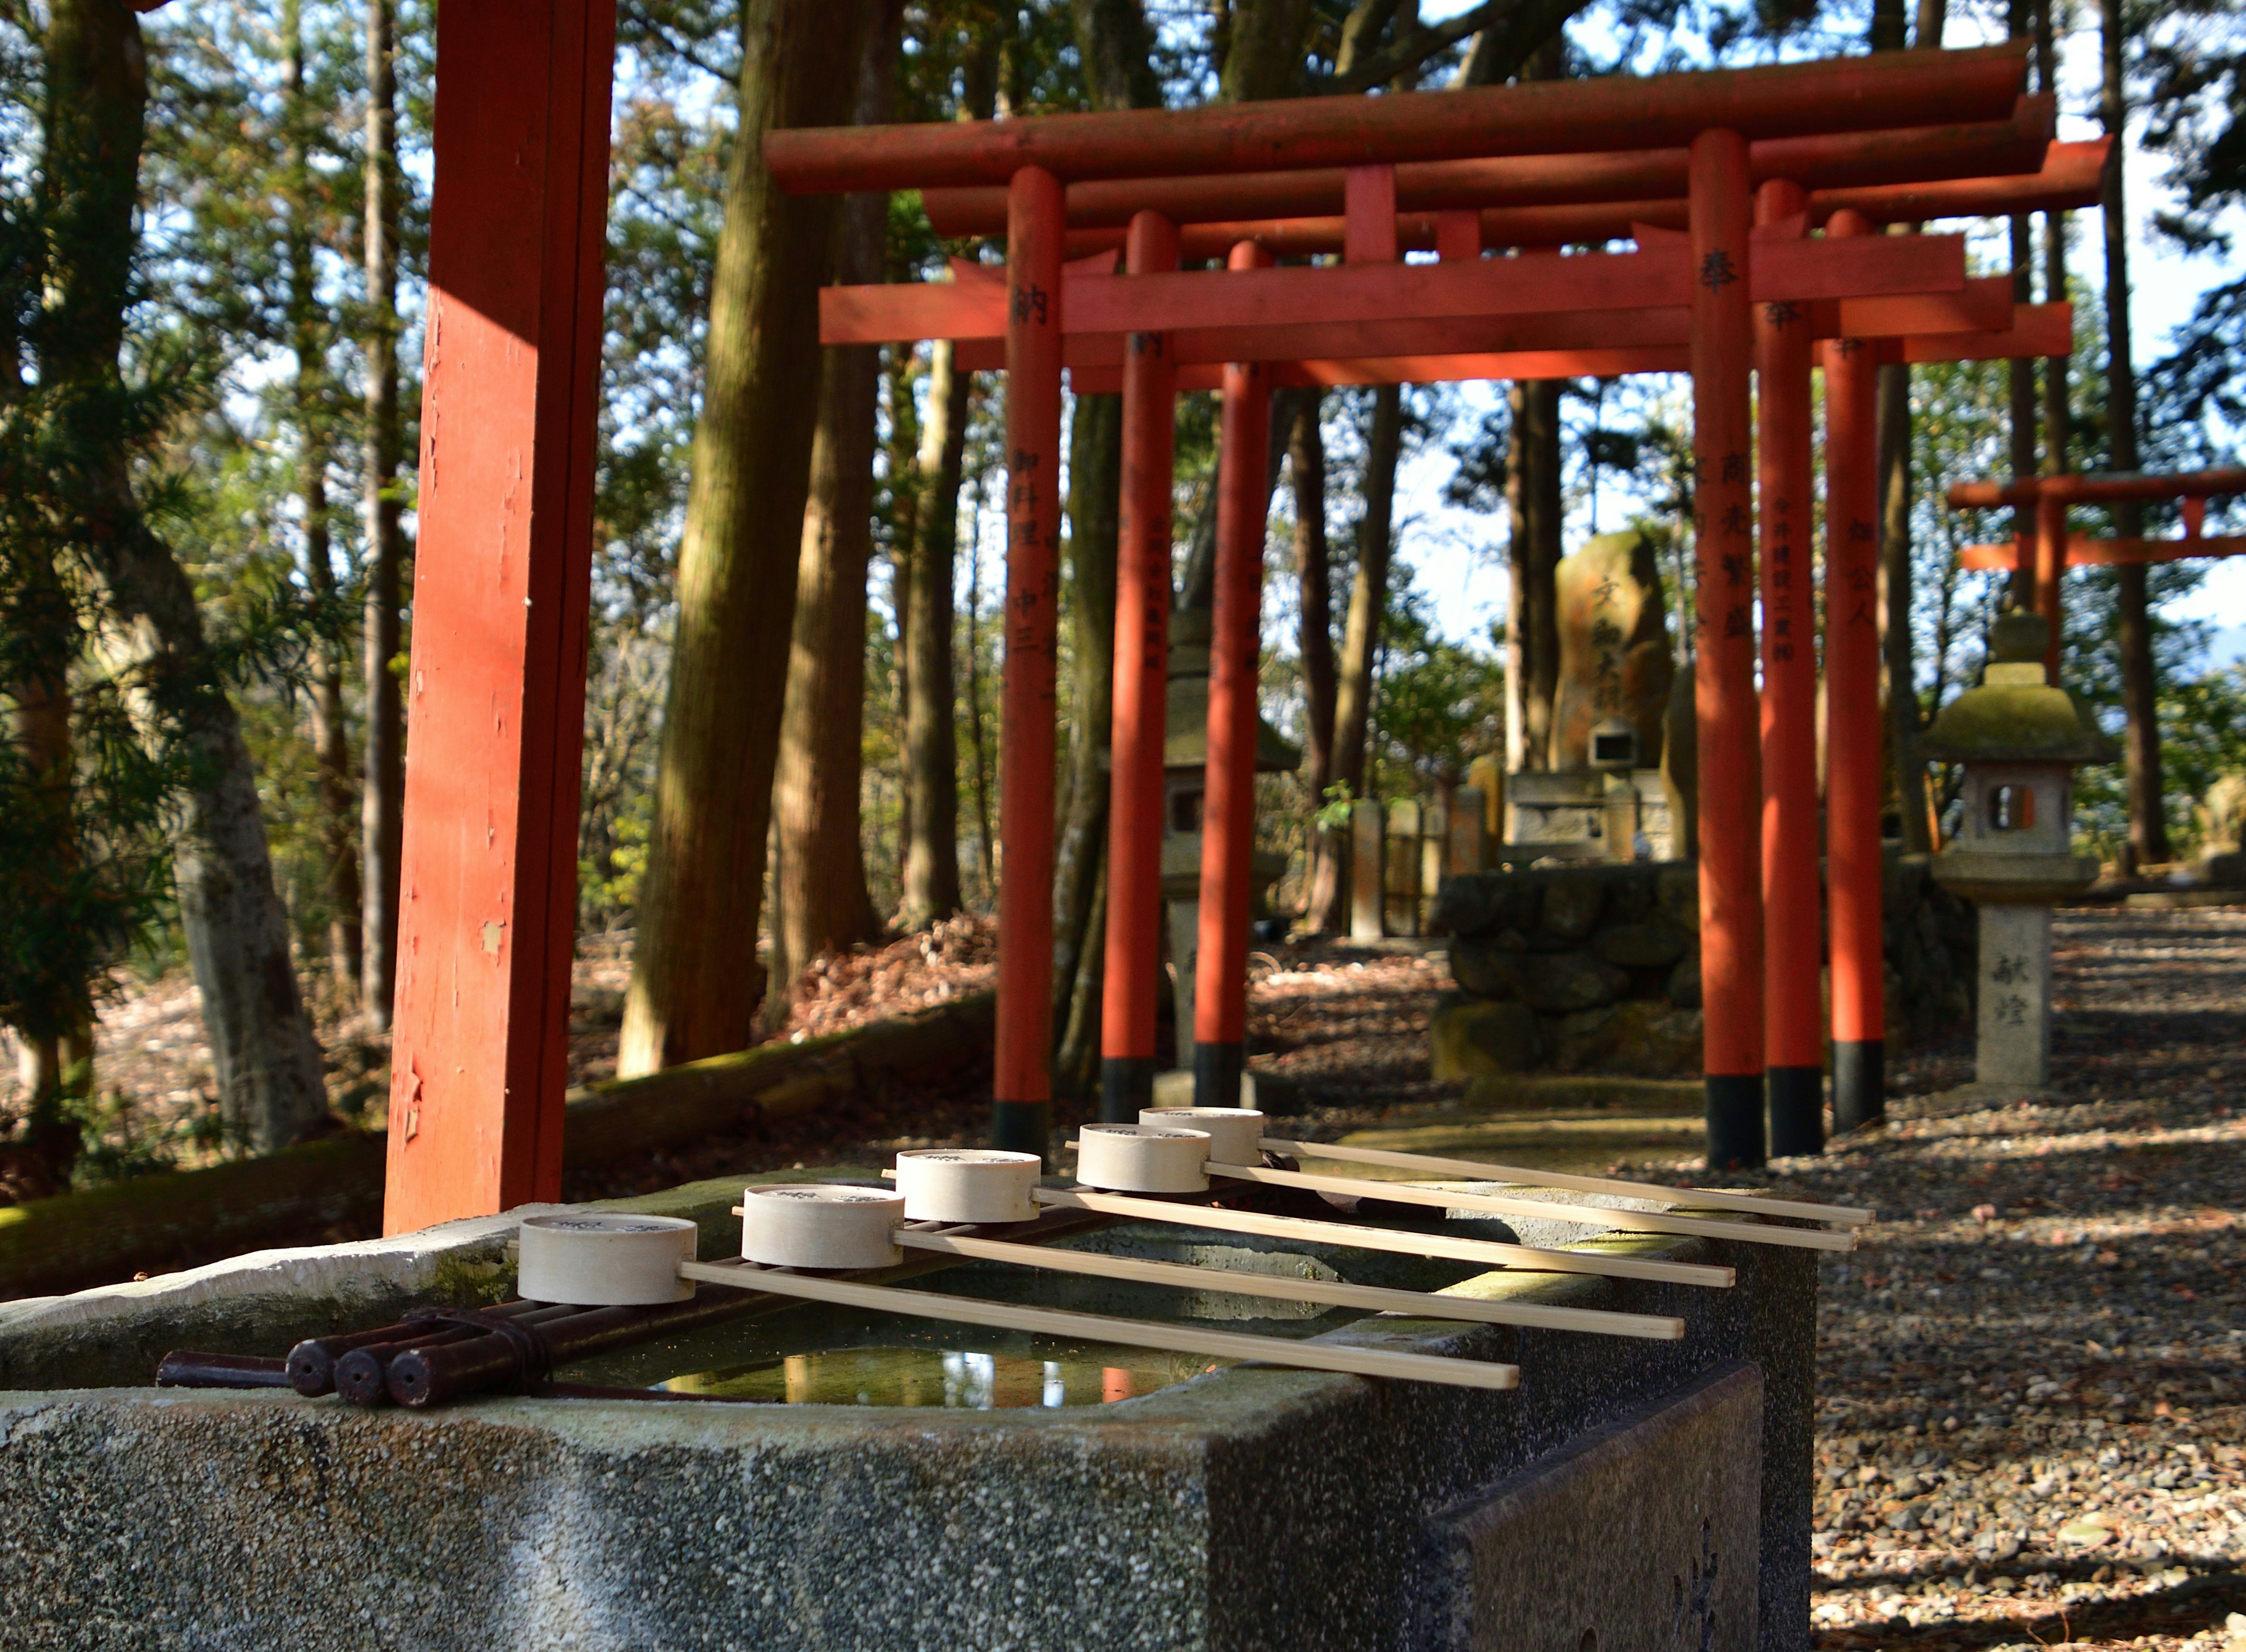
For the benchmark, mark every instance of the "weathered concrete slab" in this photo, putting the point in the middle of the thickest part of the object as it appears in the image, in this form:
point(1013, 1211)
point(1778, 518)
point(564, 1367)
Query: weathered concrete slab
point(1248, 1507)
point(1669, 1499)
point(267, 1301)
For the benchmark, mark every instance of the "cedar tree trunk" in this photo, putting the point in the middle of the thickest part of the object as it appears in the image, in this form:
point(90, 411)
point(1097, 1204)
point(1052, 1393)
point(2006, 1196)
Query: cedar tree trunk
point(382, 798)
point(1095, 492)
point(1326, 911)
point(330, 743)
point(2148, 826)
point(819, 883)
point(1368, 596)
point(694, 984)
point(931, 879)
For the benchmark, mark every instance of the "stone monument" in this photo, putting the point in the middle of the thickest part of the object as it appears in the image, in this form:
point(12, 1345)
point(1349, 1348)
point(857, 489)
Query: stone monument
point(2222, 834)
point(1614, 648)
point(2019, 739)
point(1603, 798)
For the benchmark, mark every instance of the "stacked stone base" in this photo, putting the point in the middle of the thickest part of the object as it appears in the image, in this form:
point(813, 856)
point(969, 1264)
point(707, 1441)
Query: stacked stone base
point(1596, 968)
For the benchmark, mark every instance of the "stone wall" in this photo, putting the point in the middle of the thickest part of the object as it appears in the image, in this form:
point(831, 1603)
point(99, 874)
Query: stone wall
point(1596, 968)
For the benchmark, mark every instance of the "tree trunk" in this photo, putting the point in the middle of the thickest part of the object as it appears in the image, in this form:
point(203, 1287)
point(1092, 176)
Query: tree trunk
point(2021, 369)
point(1368, 597)
point(1533, 458)
point(986, 850)
point(331, 743)
point(694, 988)
point(1327, 911)
point(1517, 593)
point(1116, 48)
point(1501, 50)
point(1532, 636)
point(2148, 826)
point(1265, 54)
point(1095, 493)
point(1898, 672)
point(262, 1046)
point(1550, 528)
point(1893, 421)
point(2022, 388)
point(931, 876)
point(45, 640)
point(381, 800)
point(819, 883)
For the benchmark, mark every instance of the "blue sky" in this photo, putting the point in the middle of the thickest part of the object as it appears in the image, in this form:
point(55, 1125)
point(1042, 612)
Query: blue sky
point(1459, 556)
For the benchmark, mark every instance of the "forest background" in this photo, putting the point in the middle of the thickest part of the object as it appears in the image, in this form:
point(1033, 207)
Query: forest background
point(211, 241)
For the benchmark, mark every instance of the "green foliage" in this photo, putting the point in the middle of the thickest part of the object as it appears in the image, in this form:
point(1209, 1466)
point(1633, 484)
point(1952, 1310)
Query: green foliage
point(89, 783)
point(1437, 703)
point(2203, 738)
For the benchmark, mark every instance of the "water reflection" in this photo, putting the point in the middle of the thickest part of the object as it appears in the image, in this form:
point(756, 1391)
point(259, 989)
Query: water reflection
point(960, 1380)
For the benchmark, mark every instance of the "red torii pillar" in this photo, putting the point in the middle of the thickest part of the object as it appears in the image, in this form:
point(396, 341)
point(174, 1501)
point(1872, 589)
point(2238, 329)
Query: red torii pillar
point(497, 689)
point(1021, 1085)
point(1793, 1035)
point(1723, 687)
point(1141, 711)
point(1228, 826)
point(1853, 779)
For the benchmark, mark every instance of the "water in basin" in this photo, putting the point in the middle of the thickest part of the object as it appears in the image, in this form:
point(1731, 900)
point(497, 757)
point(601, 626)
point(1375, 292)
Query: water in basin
point(1083, 1374)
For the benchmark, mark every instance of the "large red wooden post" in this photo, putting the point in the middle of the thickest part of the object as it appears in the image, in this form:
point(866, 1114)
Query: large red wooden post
point(1228, 826)
point(1793, 1032)
point(496, 696)
point(1022, 1076)
point(1142, 655)
point(1853, 786)
point(1730, 779)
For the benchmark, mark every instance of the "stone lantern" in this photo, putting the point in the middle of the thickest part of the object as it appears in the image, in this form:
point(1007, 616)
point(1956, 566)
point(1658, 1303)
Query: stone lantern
point(2019, 739)
point(1185, 756)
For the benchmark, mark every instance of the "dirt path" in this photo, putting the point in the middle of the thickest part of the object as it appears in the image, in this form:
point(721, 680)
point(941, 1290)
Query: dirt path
point(2030, 1377)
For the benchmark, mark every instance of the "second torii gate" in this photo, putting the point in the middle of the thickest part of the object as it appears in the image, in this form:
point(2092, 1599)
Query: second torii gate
point(1247, 314)
point(2039, 560)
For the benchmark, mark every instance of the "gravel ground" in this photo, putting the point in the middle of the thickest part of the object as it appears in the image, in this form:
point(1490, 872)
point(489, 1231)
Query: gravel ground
point(2031, 1375)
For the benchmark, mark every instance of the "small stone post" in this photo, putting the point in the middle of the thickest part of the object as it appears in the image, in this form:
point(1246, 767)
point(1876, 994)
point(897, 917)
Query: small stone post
point(1367, 882)
point(1401, 913)
point(2014, 994)
point(1466, 853)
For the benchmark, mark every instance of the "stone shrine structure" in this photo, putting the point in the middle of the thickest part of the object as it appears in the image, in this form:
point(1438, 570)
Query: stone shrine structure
point(2019, 738)
point(1613, 648)
point(2222, 842)
point(1604, 796)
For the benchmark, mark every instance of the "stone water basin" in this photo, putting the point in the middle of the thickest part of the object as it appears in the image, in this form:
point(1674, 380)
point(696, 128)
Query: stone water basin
point(812, 1354)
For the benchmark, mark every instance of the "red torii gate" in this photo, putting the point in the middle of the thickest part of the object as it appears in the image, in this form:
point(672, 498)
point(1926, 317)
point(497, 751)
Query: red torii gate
point(496, 684)
point(1249, 315)
point(2039, 560)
